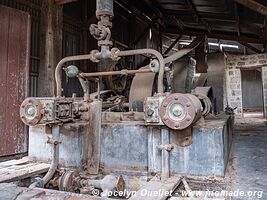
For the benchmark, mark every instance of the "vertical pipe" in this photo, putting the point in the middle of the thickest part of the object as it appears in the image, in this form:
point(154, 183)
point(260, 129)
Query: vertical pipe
point(55, 159)
point(165, 154)
point(98, 89)
point(104, 7)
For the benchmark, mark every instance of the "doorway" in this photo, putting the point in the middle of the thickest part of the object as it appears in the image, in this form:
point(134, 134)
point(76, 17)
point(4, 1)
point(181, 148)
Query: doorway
point(252, 93)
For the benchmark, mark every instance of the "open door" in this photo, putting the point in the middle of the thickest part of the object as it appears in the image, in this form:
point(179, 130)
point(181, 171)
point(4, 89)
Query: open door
point(252, 93)
point(14, 76)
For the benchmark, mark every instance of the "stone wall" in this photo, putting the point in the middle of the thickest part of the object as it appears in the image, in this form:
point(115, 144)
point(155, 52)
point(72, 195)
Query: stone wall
point(233, 65)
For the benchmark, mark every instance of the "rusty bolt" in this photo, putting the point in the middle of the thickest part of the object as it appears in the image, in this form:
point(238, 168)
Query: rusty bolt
point(188, 104)
point(177, 125)
point(176, 98)
point(165, 118)
point(188, 118)
point(165, 104)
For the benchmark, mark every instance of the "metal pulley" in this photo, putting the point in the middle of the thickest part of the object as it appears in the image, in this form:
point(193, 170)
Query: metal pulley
point(48, 110)
point(31, 111)
point(179, 111)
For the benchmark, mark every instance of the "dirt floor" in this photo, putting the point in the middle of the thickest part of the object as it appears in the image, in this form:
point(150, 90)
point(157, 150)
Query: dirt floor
point(247, 167)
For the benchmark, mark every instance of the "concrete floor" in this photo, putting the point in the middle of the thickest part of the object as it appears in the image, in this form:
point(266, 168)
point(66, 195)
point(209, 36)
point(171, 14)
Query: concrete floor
point(247, 167)
point(253, 114)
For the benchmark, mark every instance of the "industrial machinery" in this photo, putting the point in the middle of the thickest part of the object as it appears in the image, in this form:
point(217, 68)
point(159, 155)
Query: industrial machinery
point(100, 141)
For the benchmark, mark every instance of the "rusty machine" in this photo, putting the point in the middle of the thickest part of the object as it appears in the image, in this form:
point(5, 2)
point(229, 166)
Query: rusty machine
point(94, 143)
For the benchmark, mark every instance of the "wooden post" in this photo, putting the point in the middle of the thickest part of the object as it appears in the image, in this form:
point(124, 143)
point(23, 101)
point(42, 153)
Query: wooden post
point(50, 46)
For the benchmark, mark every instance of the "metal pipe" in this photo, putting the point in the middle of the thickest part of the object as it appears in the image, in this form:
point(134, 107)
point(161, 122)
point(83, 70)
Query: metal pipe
point(59, 68)
point(111, 73)
point(165, 153)
point(85, 88)
point(152, 52)
point(55, 159)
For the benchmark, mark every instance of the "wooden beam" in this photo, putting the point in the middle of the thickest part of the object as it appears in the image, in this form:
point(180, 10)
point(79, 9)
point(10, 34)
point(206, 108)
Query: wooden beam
point(155, 6)
point(217, 35)
point(254, 29)
point(250, 47)
point(141, 35)
point(264, 24)
point(237, 19)
point(196, 15)
point(30, 4)
point(178, 22)
point(253, 5)
point(172, 45)
point(51, 29)
point(61, 2)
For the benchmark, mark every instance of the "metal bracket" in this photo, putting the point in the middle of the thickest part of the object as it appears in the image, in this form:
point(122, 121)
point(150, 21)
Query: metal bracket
point(168, 147)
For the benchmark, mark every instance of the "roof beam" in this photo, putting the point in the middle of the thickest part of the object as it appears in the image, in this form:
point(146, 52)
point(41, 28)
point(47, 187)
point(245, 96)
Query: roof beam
point(254, 28)
point(61, 2)
point(218, 35)
point(178, 22)
point(155, 6)
point(141, 35)
point(253, 5)
point(250, 47)
point(196, 16)
point(172, 45)
point(237, 20)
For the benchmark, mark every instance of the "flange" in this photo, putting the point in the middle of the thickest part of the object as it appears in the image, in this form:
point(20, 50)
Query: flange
point(178, 111)
point(31, 111)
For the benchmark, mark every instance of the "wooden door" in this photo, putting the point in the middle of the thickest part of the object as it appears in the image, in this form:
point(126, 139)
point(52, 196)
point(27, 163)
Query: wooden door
point(14, 75)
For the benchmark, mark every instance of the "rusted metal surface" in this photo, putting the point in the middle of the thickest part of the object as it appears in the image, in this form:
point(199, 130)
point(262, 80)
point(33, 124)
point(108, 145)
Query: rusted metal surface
point(14, 62)
point(142, 86)
point(178, 111)
point(93, 137)
point(110, 73)
point(201, 57)
point(205, 95)
point(183, 138)
point(153, 52)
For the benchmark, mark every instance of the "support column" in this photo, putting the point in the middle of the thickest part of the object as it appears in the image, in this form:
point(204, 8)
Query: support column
point(50, 46)
point(264, 86)
point(233, 85)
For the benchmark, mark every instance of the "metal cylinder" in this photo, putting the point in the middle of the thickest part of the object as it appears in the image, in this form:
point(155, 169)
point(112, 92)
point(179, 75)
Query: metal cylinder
point(206, 104)
point(104, 7)
point(179, 111)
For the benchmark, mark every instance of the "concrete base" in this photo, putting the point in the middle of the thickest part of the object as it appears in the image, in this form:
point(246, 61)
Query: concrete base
point(132, 147)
